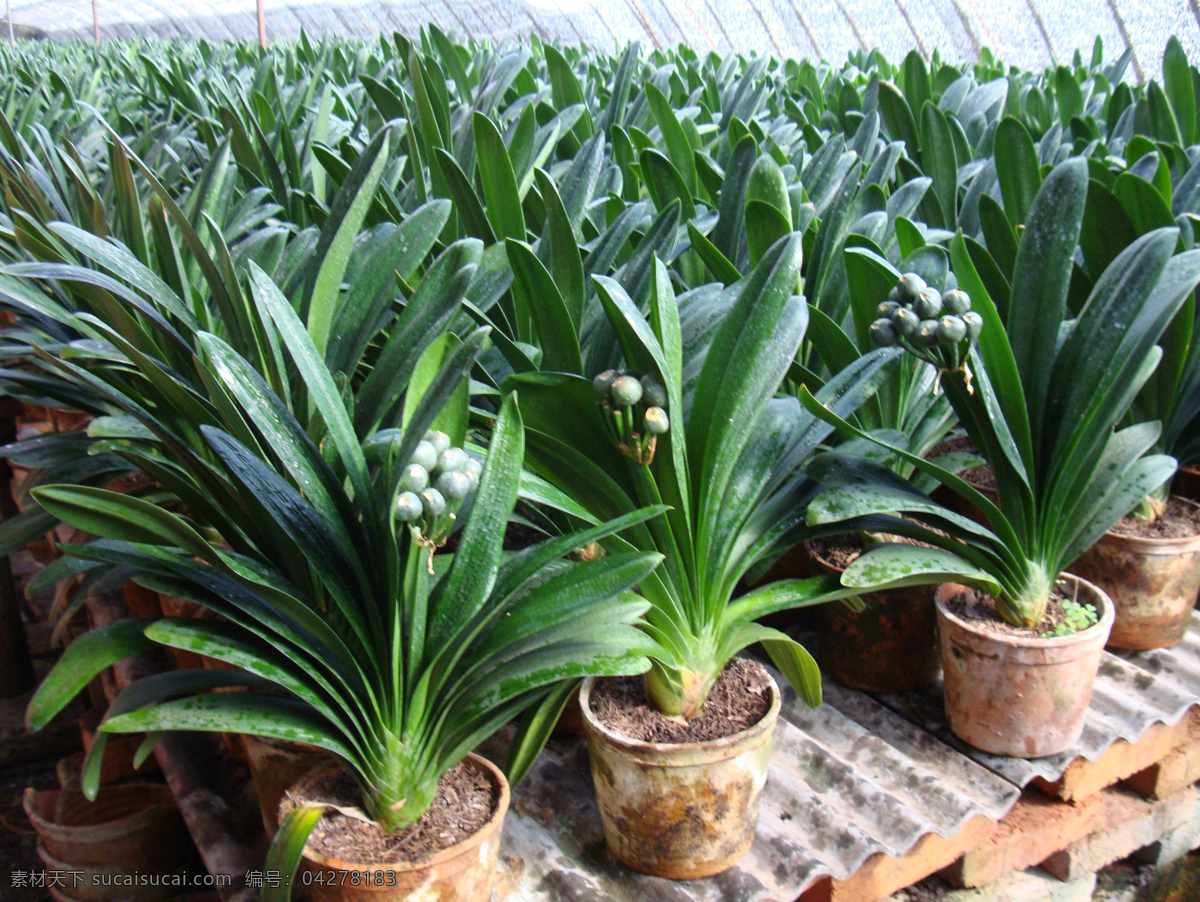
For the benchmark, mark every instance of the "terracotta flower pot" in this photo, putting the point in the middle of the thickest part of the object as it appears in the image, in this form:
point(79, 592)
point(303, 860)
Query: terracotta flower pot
point(1025, 697)
point(1186, 483)
point(465, 872)
point(275, 766)
point(679, 810)
point(133, 828)
point(1153, 585)
point(891, 646)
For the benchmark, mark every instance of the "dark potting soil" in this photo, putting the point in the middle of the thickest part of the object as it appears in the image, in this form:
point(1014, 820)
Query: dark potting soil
point(739, 700)
point(841, 551)
point(1181, 520)
point(981, 477)
point(464, 803)
point(838, 551)
point(980, 609)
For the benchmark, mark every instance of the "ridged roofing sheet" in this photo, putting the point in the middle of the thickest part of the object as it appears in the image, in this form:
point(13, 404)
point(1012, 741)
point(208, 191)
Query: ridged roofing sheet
point(856, 777)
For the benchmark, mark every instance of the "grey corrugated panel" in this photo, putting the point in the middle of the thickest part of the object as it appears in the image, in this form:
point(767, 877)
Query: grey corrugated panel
point(848, 780)
point(853, 778)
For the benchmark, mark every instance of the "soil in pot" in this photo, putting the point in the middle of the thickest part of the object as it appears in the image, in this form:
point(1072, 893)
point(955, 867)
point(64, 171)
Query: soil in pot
point(1013, 691)
point(683, 801)
point(981, 478)
point(891, 645)
point(1151, 570)
point(448, 855)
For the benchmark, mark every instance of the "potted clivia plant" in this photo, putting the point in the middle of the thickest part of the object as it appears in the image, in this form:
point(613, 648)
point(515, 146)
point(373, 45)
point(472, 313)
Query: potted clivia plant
point(1021, 639)
point(891, 644)
point(1149, 562)
point(725, 454)
point(346, 631)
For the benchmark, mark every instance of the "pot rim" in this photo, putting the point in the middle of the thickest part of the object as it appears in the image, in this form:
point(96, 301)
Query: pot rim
point(157, 797)
point(710, 749)
point(500, 788)
point(1150, 545)
point(1103, 623)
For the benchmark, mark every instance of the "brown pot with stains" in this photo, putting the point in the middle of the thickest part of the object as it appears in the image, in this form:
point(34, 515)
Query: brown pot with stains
point(1153, 585)
point(465, 872)
point(275, 766)
point(889, 646)
point(679, 810)
point(132, 828)
point(1021, 696)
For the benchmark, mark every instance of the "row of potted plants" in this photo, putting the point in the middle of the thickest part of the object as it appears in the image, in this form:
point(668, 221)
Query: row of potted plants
point(512, 292)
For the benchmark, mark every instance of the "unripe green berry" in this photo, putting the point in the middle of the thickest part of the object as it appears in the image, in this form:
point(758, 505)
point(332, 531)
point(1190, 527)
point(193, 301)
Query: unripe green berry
point(910, 287)
point(408, 507)
point(455, 485)
point(438, 439)
point(473, 469)
point(905, 321)
point(433, 502)
point(626, 391)
point(883, 333)
point(603, 383)
point(425, 455)
point(951, 330)
point(928, 304)
point(974, 324)
point(927, 333)
point(414, 479)
point(653, 392)
point(887, 309)
point(956, 302)
point(451, 459)
point(894, 295)
point(657, 421)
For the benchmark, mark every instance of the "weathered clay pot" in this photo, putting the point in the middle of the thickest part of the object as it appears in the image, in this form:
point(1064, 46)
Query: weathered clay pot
point(275, 766)
point(1186, 483)
point(133, 828)
point(679, 810)
point(1025, 697)
point(1152, 582)
point(890, 646)
point(465, 872)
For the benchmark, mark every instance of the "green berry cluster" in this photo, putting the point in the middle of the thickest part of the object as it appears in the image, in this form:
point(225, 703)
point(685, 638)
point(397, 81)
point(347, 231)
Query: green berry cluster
point(635, 410)
point(938, 328)
point(433, 486)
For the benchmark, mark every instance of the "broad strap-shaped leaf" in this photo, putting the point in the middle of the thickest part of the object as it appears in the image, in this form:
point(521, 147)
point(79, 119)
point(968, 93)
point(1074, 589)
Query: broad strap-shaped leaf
point(90, 653)
point(150, 690)
point(287, 850)
point(317, 378)
point(120, 516)
point(426, 315)
point(748, 358)
point(1041, 276)
point(536, 725)
point(894, 565)
point(539, 295)
point(473, 574)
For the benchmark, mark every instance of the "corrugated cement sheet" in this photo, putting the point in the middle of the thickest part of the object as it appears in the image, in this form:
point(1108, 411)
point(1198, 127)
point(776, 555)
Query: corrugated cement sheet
point(855, 777)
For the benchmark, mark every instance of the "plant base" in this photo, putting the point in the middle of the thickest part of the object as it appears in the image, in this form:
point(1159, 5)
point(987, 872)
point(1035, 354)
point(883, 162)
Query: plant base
point(465, 872)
